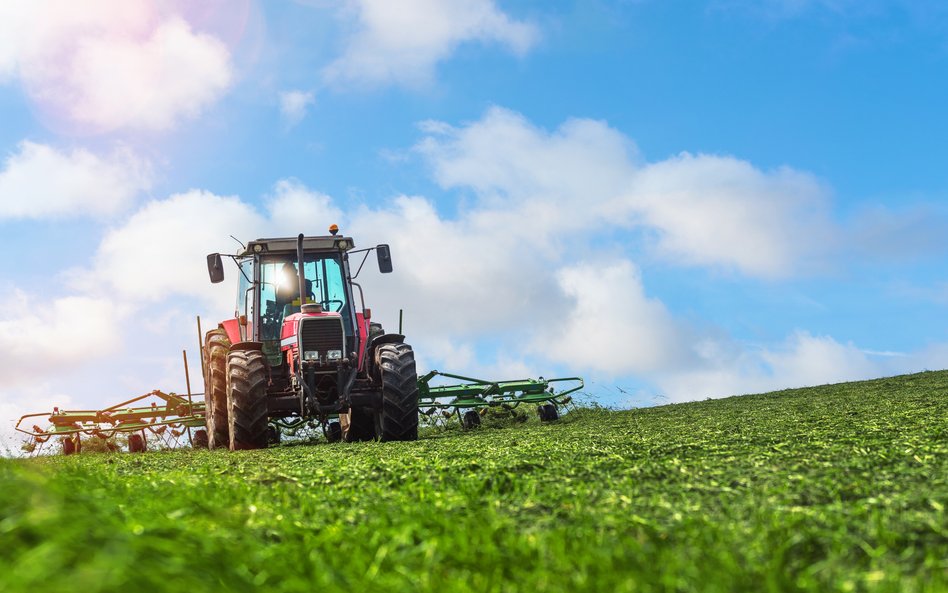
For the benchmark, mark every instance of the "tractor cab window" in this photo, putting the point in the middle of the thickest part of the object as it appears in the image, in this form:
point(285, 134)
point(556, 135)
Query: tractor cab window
point(280, 292)
point(244, 294)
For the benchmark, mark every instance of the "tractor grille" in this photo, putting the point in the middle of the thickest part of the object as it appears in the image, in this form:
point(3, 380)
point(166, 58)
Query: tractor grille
point(322, 334)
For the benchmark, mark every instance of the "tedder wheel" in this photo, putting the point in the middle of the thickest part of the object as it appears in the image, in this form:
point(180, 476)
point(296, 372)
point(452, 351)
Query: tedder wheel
point(199, 439)
point(357, 425)
point(72, 445)
point(247, 399)
point(216, 347)
point(136, 443)
point(333, 432)
point(470, 419)
point(547, 413)
point(273, 435)
point(399, 416)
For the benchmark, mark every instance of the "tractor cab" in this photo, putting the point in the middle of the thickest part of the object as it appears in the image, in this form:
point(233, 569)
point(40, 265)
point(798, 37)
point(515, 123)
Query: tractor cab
point(269, 294)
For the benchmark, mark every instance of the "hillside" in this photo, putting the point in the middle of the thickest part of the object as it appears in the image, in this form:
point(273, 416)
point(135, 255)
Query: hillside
point(835, 488)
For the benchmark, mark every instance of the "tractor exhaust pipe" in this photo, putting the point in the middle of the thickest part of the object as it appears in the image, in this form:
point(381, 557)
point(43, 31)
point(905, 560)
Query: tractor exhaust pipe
point(299, 266)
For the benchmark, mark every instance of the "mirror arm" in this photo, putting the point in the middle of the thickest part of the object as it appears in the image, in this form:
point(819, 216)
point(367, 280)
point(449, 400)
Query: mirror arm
point(364, 257)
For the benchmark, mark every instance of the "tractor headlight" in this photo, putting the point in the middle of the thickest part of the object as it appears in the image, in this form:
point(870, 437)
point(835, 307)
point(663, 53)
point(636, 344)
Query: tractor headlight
point(334, 354)
point(311, 355)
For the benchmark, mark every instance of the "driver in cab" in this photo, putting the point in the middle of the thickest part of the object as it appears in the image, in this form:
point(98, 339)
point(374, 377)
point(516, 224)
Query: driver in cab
point(288, 290)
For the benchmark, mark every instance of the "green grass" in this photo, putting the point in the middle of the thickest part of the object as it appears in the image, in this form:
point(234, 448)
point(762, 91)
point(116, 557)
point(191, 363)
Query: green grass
point(836, 488)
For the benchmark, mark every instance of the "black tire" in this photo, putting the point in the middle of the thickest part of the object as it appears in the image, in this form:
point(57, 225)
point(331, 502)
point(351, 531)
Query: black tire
point(199, 439)
point(136, 443)
point(399, 416)
point(333, 432)
point(216, 348)
point(470, 419)
point(247, 399)
point(273, 435)
point(360, 426)
point(547, 413)
point(72, 445)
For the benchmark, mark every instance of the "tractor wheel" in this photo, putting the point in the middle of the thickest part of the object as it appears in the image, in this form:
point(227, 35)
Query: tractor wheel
point(399, 417)
point(199, 439)
point(136, 443)
point(72, 445)
point(470, 419)
point(333, 432)
point(247, 399)
point(547, 413)
point(273, 435)
point(358, 425)
point(216, 347)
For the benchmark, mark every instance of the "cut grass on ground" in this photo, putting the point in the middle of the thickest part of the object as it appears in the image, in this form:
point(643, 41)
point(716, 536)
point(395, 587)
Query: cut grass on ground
point(835, 488)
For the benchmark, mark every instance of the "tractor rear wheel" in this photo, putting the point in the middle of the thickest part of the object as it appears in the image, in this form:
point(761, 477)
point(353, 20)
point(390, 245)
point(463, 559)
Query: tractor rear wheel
point(399, 416)
point(247, 399)
point(216, 347)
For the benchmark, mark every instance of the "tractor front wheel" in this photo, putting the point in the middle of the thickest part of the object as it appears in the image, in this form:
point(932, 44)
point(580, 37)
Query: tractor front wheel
point(216, 347)
point(399, 415)
point(247, 399)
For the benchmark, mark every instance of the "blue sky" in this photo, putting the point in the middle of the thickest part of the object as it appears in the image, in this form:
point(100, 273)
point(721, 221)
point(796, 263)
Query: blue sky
point(677, 200)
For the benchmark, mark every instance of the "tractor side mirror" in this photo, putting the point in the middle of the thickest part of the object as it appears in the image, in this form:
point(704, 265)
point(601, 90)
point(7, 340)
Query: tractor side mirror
point(385, 258)
point(215, 268)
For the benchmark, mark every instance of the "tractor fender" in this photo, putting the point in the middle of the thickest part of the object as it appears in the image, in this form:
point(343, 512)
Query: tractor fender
point(232, 328)
point(373, 348)
point(385, 339)
point(246, 346)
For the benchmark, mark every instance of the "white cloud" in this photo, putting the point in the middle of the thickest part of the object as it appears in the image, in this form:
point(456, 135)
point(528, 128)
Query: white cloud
point(158, 253)
point(294, 105)
point(40, 181)
point(402, 42)
point(727, 367)
point(698, 210)
point(37, 334)
point(110, 64)
point(612, 325)
point(713, 210)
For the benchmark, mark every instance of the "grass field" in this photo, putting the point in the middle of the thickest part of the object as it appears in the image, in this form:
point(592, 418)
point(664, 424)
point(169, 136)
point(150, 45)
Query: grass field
point(835, 488)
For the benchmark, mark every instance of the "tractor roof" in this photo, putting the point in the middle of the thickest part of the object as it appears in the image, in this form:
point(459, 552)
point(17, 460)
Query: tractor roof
point(288, 245)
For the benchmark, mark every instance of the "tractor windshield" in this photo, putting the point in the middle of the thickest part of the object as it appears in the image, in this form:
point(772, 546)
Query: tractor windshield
point(280, 293)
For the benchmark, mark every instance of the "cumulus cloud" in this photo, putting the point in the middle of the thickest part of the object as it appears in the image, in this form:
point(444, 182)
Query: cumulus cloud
point(294, 105)
point(611, 324)
point(714, 210)
point(158, 253)
point(105, 64)
point(40, 181)
point(37, 332)
point(402, 42)
point(697, 209)
point(726, 367)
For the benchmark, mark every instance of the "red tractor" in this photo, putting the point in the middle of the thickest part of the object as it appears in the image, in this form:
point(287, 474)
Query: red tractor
point(301, 348)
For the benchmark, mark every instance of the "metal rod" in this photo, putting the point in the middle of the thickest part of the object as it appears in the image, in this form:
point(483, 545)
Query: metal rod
point(400, 313)
point(299, 262)
point(187, 381)
point(201, 348)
